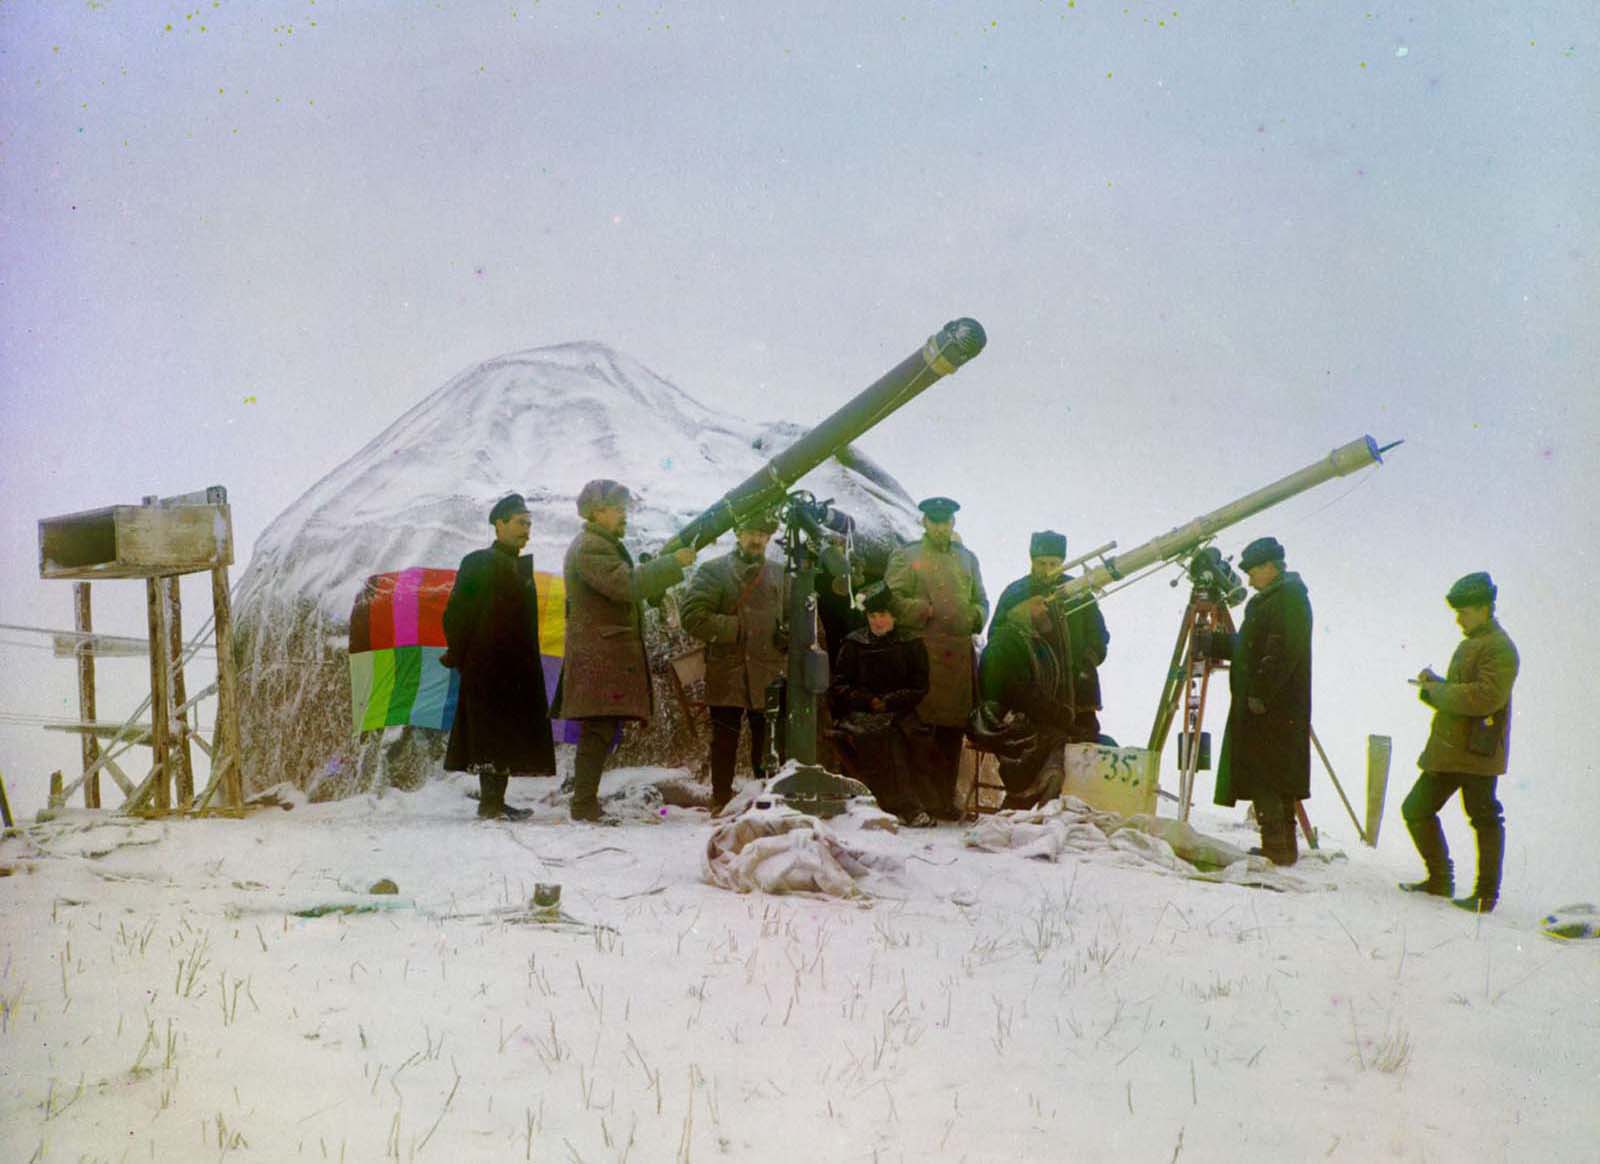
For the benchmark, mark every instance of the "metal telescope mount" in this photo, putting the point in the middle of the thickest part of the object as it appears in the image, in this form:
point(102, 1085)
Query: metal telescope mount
point(1214, 588)
point(807, 544)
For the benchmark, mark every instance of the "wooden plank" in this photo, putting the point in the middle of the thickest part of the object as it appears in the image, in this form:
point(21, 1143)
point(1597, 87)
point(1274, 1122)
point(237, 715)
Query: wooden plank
point(83, 623)
point(160, 701)
point(74, 646)
point(118, 775)
point(136, 734)
point(226, 740)
point(184, 758)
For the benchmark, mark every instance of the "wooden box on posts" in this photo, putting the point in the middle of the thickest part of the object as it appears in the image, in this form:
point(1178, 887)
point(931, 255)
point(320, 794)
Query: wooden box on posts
point(137, 541)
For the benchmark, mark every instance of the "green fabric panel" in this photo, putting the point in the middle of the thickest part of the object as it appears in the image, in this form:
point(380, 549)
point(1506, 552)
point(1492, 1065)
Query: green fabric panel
point(360, 686)
point(407, 674)
point(382, 690)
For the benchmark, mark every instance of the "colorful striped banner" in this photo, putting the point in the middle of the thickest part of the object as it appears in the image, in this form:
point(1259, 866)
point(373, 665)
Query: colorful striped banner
point(397, 639)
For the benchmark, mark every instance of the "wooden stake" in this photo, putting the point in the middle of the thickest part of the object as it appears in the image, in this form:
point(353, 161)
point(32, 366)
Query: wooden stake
point(184, 761)
point(225, 741)
point(160, 699)
point(83, 623)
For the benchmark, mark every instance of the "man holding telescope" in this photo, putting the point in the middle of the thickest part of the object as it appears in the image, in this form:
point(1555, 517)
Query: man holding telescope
point(605, 673)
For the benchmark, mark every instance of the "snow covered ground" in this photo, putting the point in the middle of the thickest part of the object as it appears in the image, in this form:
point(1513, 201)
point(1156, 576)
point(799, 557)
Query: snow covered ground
point(163, 1000)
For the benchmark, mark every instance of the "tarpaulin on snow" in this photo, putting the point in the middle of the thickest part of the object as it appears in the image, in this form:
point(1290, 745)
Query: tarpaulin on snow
point(397, 638)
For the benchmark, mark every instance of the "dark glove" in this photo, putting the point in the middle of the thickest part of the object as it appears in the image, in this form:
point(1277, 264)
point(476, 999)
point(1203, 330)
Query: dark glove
point(1256, 706)
point(447, 660)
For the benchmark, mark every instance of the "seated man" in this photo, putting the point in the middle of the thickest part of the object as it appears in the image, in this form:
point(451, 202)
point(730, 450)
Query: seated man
point(882, 675)
point(1026, 711)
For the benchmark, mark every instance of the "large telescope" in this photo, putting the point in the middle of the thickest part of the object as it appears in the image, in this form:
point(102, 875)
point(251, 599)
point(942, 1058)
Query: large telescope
point(1183, 541)
point(956, 342)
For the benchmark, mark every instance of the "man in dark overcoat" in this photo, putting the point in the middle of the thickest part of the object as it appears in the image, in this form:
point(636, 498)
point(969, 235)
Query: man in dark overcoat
point(734, 604)
point(1266, 747)
point(938, 596)
point(1082, 640)
point(881, 677)
point(605, 672)
point(1468, 745)
point(491, 629)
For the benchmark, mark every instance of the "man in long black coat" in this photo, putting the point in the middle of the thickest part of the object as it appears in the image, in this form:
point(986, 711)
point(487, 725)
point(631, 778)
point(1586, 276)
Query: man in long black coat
point(491, 625)
point(1266, 748)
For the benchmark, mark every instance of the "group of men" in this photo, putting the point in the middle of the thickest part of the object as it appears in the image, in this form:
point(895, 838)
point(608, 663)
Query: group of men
point(909, 686)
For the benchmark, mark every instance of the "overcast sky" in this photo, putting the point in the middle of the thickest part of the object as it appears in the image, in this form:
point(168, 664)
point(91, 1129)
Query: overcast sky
point(1209, 243)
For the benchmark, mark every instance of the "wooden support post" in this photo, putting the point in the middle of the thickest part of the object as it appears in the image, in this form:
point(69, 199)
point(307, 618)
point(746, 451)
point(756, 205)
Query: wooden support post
point(83, 623)
point(160, 697)
point(184, 759)
point(225, 741)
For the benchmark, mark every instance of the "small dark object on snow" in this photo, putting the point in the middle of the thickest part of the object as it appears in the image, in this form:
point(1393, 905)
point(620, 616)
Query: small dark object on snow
point(384, 885)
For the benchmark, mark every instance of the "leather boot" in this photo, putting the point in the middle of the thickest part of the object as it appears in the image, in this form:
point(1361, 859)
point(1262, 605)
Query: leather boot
point(1290, 837)
point(1428, 835)
point(1491, 855)
point(1277, 843)
point(491, 794)
point(492, 799)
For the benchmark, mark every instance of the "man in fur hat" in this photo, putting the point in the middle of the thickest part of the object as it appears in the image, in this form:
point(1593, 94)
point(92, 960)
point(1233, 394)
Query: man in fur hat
point(734, 604)
point(605, 673)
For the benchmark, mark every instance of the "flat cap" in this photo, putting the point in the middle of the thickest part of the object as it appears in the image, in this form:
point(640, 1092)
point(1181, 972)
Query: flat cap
point(1260, 552)
point(939, 508)
point(1472, 590)
point(1047, 544)
point(602, 491)
point(508, 506)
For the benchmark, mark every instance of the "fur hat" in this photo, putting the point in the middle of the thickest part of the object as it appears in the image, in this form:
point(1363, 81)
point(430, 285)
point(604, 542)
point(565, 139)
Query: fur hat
point(1047, 544)
point(602, 491)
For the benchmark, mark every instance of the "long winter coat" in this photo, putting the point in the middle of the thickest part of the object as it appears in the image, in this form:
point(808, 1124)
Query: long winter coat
point(875, 744)
point(491, 625)
point(1271, 661)
point(938, 596)
point(605, 671)
point(734, 607)
point(1086, 631)
point(1477, 685)
point(891, 667)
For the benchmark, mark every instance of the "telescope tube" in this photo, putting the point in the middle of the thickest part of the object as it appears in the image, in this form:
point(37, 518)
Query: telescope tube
point(1177, 543)
point(955, 343)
